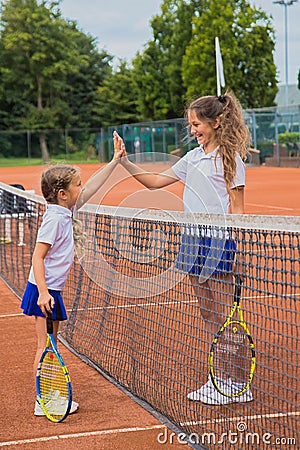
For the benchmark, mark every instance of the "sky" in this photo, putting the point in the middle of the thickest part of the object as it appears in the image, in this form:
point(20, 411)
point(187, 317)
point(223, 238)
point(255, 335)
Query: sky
point(122, 27)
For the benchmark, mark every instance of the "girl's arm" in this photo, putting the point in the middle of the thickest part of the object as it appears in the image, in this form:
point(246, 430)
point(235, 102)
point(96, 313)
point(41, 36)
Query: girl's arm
point(148, 179)
point(97, 180)
point(45, 300)
point(237, 201)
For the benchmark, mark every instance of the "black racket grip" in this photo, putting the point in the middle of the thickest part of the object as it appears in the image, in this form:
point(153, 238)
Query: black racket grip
point(237, 288)
point(49, 324)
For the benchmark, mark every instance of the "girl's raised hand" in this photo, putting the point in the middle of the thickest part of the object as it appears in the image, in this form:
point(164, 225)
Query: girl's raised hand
point(119, 147)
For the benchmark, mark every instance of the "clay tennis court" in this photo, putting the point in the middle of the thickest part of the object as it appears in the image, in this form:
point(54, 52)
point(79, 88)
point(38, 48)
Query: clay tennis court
point(269, 190)
point(107, 418)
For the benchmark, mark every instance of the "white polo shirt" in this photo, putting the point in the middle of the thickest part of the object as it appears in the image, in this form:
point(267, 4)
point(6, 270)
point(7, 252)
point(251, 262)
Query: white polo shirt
point(56, 229)
point(205, 187)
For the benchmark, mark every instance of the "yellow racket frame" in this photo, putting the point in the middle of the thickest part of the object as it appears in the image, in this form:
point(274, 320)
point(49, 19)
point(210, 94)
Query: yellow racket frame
point(66, 381)
point(230, 321)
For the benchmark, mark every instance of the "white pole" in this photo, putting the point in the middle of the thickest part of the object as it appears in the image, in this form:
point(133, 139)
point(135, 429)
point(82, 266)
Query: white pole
point(217, 66)
point(286, 3)
point(286, 56)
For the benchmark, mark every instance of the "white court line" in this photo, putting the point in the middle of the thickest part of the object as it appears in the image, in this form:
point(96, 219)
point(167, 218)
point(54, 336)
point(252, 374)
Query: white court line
point(80, 435)
point(136, 305)
point(271, 207)
point(140, 305)
point(3, 316)
point(177, 302)
point(242, 418)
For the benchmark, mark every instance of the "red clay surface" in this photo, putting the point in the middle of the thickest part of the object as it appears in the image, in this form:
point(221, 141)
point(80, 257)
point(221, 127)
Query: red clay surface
point(107, 418)
point(269, 190)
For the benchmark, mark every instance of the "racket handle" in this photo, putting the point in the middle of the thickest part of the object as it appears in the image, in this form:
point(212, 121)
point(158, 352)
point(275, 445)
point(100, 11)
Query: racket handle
point(49, 324)
point(237, 288)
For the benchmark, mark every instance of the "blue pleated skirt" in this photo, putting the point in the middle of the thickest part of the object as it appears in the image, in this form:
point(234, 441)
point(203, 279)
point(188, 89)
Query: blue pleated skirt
point(31, 308)
point(206, 255)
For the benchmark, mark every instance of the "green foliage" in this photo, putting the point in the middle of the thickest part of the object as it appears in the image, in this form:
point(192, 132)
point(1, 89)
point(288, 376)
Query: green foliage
point(287, 137)
point(178, 63)
point(247, 45)
point(158, 70)
point(116, 102)
point(52, 76)
point(150, 79)
point(50, 71)
point(17, 162)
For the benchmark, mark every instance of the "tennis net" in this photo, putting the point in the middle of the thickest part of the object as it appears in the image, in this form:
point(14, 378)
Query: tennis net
point(137, 316)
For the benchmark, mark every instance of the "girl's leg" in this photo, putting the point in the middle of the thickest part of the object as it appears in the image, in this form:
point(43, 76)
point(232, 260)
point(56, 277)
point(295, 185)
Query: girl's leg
point(215, 298)
point(41, 332)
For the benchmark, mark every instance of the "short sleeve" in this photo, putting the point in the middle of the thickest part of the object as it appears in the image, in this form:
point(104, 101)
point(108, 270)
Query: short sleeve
point(240, 176)
point(48, 230)
point(180, 168)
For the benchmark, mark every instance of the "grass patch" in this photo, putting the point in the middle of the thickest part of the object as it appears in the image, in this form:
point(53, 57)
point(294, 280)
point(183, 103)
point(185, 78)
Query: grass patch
point(18, 162)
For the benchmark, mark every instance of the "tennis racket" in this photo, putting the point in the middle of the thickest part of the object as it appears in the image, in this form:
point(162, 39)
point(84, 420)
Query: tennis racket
point(232, 355)
point(53, 384)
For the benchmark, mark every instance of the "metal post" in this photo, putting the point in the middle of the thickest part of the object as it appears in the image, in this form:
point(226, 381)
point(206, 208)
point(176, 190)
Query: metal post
point(28, 145)
point(286, 3)
point(66, 144)
point(254, 129)
point(277, 139)
point(286, 56)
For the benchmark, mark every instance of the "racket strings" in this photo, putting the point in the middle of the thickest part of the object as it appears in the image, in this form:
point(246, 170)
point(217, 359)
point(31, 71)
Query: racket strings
point(53, 386)
point(232, 355)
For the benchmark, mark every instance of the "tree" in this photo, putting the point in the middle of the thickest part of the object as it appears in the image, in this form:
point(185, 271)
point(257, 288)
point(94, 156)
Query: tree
point(81, 91)
point(247, 45)
point(116, 101)
point(45, 64)
point(152, 90)
point(157, 71)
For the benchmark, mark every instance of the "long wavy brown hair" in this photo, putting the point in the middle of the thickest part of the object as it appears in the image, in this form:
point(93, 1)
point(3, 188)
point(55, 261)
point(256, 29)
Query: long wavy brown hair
point(232, 135)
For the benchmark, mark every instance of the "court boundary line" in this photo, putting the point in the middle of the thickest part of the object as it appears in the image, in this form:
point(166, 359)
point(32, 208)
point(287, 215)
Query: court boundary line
point(242, 418)
point(165, 422)
point(80, 435)
point(283, 208)
point(175, 302)
point(158, 304)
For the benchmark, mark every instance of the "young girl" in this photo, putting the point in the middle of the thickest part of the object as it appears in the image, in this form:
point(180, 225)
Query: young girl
point(214, 177)
point(54, 250)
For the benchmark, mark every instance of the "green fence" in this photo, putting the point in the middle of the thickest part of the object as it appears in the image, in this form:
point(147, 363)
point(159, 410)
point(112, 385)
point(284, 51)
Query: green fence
point(271, 128)
point(76, 145)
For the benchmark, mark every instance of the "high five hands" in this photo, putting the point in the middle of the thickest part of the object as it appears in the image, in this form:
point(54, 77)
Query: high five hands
point(119, 147)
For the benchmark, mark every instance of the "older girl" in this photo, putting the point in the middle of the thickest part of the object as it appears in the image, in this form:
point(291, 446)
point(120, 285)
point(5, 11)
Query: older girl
point(214, 177)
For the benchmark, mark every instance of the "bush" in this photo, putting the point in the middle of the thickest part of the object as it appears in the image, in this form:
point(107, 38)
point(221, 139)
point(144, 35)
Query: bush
point(289, 138)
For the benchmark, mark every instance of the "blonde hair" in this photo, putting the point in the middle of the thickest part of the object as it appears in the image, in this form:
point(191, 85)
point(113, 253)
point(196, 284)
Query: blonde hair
point(232, 134)
point(55, 178)
point(58, 177)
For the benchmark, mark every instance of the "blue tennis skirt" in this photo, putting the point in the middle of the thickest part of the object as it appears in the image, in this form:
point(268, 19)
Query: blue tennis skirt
point(31, 308)
point(201, 255)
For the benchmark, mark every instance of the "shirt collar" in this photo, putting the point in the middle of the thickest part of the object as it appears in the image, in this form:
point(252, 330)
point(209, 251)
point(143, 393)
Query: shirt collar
point(210, 155)
point(59, 210)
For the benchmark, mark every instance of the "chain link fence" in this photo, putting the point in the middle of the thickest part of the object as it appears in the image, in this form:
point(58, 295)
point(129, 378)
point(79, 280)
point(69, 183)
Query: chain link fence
point(275, 134)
